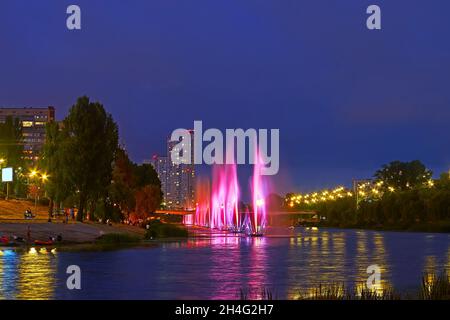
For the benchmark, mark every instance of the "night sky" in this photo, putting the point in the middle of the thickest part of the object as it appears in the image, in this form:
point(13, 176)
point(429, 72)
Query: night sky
point(346, 99)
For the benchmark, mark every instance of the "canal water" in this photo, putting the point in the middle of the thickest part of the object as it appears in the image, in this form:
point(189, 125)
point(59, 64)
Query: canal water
point(289, 263)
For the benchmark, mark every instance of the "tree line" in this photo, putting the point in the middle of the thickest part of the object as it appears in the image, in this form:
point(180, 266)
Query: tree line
point(11, 154)
point(85, 167)
point(409, 200)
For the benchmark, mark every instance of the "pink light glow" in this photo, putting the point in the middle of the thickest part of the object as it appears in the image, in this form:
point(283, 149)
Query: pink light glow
point(259, 192)
point(218, 206)
point(225, 197)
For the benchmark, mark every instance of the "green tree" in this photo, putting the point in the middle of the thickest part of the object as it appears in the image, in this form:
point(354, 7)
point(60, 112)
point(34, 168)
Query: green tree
point(134, 188)
point(89, 144)
point(11, 142)
point(122, 189)
point(56, 184)
point(146, 175)
point(148, 199)
point(443, 183)
point(148, 192)
point(11, 150)
point(403, 175)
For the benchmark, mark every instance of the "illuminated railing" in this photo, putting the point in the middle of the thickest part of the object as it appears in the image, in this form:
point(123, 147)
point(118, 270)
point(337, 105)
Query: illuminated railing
point(367, 190)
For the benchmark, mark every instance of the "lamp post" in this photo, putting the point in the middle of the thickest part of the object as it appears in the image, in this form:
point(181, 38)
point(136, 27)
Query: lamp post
point(2, 161)
point(44, 178)
point(356, 189)
point(34, 173)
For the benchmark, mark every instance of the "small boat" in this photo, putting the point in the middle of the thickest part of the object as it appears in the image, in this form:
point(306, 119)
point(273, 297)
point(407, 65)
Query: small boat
point(43, 243)
point(4, 240)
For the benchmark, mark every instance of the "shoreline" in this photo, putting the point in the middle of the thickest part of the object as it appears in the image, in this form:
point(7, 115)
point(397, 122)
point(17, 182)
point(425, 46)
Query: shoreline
point(72, 233)
point(86, 236)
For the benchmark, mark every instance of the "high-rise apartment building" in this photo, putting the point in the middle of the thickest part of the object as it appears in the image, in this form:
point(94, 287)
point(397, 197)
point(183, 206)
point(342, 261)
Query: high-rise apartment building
point(33, 121)
point(160, 164)
point(177, 180)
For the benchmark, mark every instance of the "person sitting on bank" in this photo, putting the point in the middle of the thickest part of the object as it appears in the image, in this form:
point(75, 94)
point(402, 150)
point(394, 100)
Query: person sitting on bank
point(28, 214)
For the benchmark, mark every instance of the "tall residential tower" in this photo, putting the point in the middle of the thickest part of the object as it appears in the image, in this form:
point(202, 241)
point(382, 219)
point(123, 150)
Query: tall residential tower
point(177, 180)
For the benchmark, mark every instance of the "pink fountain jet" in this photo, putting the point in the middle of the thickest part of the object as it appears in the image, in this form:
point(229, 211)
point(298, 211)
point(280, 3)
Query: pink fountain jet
point(218, 206)
point(258, 219)
point(224, 198)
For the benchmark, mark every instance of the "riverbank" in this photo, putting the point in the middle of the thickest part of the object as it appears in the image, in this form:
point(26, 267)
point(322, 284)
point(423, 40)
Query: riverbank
point(72, 232)
point(12, 210)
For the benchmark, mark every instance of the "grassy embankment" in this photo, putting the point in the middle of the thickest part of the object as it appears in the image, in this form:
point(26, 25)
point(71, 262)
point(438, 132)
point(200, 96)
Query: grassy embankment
point(75, 234)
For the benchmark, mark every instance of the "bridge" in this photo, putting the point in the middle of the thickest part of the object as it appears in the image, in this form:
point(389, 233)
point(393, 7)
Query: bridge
point(175, 212)
point(280, 218)
point(301, 212)
point(185, 212)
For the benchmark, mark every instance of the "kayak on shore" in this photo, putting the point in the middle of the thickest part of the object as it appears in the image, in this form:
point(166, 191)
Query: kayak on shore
point(43, 243)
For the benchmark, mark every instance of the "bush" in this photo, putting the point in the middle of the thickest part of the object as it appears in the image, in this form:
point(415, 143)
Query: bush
point(157, 229)
point(117, 238)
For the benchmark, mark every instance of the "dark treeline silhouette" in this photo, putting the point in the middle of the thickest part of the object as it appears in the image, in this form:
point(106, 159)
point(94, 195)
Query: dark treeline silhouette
point(409, 200)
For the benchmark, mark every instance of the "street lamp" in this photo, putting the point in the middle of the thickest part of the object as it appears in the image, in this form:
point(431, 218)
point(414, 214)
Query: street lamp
point(33, 173)
point(44, 177)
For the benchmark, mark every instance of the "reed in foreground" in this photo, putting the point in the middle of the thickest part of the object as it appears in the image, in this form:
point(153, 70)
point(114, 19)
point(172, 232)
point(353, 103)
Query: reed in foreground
point(433, 287)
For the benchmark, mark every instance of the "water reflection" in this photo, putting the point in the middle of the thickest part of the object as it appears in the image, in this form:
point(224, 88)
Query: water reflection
point(448, 261)
point(256, 280)
point(430, 271)
point(27, 275)
point(290, 263)
point(430, 264)
point(362, 256)
point(380, 259)
point(225, 267)
point(376, 259)
point(315, 258)
point(8, 265)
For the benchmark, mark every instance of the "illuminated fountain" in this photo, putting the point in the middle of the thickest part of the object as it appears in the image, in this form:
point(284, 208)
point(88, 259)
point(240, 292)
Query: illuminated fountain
point(202, 216)
point(258, 218)
point(225, 198)
point(218, 205)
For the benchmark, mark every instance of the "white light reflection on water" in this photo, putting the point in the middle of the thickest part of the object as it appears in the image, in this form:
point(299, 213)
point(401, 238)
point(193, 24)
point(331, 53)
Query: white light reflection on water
point(27, 275)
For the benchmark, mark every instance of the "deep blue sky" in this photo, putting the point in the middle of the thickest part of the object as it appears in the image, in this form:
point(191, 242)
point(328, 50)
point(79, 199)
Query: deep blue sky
point(346, 99)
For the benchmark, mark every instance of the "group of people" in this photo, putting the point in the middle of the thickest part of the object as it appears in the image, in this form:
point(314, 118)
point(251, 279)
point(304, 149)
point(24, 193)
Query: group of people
point(70, 213)
point(67, 214)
